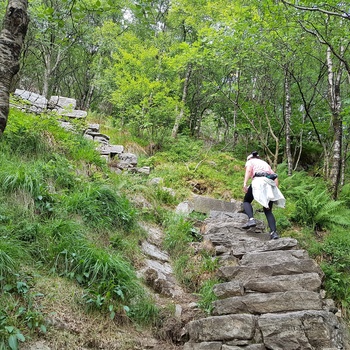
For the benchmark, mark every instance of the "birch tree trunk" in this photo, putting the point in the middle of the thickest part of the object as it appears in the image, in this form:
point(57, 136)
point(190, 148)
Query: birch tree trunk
point(13, 32)
point(334, 81)
point(287, 117)
point(183, 100)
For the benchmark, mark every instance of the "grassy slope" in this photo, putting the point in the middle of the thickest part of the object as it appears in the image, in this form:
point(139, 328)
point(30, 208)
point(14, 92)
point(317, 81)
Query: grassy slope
point(69, 234)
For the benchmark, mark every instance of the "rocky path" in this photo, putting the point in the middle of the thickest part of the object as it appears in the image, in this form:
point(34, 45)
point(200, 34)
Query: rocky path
point(271, 296)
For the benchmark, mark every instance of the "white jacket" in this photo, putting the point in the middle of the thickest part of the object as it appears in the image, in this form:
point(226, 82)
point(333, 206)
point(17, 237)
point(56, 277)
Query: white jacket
point(265, 190)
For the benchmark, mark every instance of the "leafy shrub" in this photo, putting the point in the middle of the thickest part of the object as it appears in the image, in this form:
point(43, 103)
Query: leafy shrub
point(337, 286)
point(336, 248)
point(336, 262)
point(60, 172)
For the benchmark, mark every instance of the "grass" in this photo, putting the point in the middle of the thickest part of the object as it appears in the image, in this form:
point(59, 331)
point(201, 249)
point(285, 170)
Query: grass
point(58, 199)
point(67, 223)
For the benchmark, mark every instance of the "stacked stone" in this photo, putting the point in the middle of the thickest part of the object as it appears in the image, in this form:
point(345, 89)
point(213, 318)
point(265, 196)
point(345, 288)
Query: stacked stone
point(270, 298)
point(66, 107)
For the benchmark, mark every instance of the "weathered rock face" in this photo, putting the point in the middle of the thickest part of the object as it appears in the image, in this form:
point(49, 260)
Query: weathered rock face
point(270, 298)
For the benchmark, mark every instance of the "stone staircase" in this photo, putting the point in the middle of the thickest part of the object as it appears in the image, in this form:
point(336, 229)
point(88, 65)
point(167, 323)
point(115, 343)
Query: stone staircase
point(270, 297)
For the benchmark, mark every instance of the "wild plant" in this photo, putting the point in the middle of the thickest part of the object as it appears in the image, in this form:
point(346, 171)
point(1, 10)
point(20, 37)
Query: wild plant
point(344, 195)
point(100, 206)
point(337, 284)
point(22, 176)
point(110, 281)
point(18, 311)
point(178, 234)
point(207, 296)
point(318, 211)
point(299, 184)
point(12, 252)
point(26, 135)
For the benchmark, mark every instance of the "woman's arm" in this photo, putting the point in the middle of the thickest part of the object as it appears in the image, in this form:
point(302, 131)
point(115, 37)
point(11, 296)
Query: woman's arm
point(247, 176)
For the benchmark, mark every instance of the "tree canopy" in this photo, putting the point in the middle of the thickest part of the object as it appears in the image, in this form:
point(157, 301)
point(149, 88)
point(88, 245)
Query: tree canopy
point(269, 75)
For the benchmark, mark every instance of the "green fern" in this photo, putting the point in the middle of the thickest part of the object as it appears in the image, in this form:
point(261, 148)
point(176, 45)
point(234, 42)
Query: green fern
point(298, 185)
point(331, 214)
point(318, 211)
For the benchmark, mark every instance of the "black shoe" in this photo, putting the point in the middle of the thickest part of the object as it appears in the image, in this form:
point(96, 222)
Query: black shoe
point(274, 235)
point(250, 223)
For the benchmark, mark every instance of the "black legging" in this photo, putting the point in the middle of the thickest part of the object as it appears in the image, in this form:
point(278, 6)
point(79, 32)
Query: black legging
point(247, 206)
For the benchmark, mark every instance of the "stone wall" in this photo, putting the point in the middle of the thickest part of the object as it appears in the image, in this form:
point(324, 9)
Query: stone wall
point(65, 108)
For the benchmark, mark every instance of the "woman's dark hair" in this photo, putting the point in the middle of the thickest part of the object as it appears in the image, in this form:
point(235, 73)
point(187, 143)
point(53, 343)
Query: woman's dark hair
point(255, 154)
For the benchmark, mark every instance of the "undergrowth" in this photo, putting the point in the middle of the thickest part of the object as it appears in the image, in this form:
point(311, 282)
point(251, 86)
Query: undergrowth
point(63, 212)
point(57, 201)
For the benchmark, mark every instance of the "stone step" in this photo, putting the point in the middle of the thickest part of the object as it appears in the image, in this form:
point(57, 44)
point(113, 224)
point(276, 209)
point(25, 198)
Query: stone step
point(317, 330)
point(271, 297)
point(228, 238)
point(224, 328)
point(220, 346)
point(246, 273)
point(245, 246)
point(230, 228)
point(262, 303)
point(309, 281)
point(273, 257)
point(306, 330)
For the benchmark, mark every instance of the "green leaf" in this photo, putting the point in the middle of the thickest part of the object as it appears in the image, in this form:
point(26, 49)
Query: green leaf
point(10, 329)
point(13, 343)
point(20, 337)
point(126, 308)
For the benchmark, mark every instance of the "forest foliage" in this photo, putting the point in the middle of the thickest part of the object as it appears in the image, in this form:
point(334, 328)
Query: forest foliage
point(270, 75)
point(193, 86)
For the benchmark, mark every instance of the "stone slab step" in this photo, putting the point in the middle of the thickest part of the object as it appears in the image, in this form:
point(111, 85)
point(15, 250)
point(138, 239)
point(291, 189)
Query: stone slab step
point(307, 281)
point(230, 228)
point(273, 257)
point(262, 303)
point(306, 330)
point(222, 328)
point(245, 246)
point(272, 284)
point(246, 273)
point(301, 330)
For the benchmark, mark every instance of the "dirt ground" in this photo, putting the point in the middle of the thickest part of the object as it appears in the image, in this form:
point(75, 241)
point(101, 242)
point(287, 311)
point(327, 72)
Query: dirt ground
point(73, 328)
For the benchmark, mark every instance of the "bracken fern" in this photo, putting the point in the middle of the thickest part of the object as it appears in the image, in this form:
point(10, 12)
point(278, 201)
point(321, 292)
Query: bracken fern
point(318, 211)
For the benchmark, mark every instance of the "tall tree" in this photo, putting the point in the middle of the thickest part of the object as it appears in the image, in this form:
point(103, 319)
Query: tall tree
point(329, 24)
point(12, 35)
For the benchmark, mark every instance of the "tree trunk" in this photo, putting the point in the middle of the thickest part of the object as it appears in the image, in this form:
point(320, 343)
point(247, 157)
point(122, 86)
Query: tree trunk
point(183, 100)
point(287, 118)
point(296, 163)
point(12, 35)
point(343, 163)
point(334, 81)
point(235, 109)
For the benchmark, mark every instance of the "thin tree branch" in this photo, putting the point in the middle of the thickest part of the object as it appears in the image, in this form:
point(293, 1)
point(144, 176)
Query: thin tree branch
point(341, 14)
